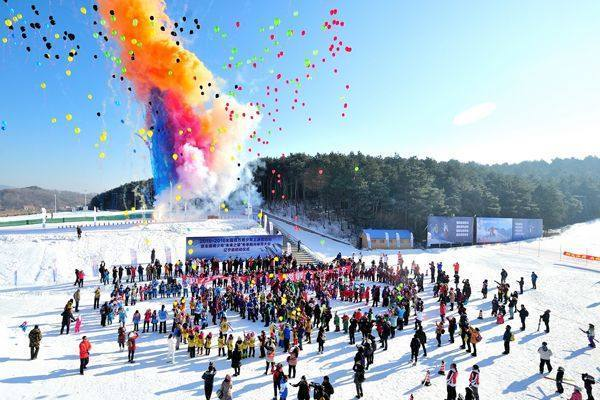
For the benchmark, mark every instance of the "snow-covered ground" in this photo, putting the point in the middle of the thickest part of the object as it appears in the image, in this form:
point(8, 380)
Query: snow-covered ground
point(569, 288)
point(47, 257)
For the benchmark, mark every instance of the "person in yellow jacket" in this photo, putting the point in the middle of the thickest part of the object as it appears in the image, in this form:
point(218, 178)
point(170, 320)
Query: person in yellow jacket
point(207, 344)
point(230, 345)
point(244, 347)
point(225, 326)
point(185, 334)
point(191, 346)
point(221, 344)
point(252, 345)
point(308, 330)
point(200, 342)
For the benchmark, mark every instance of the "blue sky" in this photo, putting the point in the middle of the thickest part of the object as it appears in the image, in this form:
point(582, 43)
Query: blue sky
point(493, 81)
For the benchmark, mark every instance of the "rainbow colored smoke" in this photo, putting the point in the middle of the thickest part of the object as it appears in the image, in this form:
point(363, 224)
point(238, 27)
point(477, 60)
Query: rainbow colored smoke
point(194, 144)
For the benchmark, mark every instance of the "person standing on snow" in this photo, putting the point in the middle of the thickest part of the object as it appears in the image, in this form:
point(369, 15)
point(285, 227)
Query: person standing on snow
point(77, 298)
point(534, 279)
point(84, 354)
point(451, 382)
point(303, 388)
point(521, 282)
point(588, 381)
point(523, 314)
point(131, 346)
point(359, 378)
point(67, 318)
point(97, 298)
point(171, 345)
point(591, 335)
point(545, 354)
point(415, 345)
point(225, 392)
point(474, 382)
point(545, 317)
point(559, 380)
point(209, 378)
point(506, 338)
point(35, 338)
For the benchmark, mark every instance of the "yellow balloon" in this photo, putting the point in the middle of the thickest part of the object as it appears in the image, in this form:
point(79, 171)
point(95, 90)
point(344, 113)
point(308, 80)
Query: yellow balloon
point(102, 155)
point(190, 251)
point(43, 85)
point(77, 130)
point(53, 120)
point(69, 117)
point(68, 72)
point(83, 10)
point(89, 96)
point(175, 156)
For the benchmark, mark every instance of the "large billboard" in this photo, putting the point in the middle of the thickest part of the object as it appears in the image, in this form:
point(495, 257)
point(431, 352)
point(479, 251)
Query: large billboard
point(449, 230)
point(494, 230)
point(524, 229)
point(224, 247)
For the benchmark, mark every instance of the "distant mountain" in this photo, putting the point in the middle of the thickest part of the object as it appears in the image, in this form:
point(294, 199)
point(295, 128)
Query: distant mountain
point(15, 201)
point(137, 194)
point(5, 187)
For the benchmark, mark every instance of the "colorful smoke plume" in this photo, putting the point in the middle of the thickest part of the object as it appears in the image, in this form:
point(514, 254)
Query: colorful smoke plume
point(194, 132)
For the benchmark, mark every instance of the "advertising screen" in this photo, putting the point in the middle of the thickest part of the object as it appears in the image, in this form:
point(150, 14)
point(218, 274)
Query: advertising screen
point(494, 230)
point(524, 229)
point(449, 230)
point(224, 247)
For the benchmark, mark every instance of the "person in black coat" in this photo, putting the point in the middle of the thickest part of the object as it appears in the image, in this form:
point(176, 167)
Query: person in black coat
point(359, 378)
point(415, 345)
point(236, 360)
point(104, 311)
point(545, 317)
point(506, 339)
point(209, 379)
point(385, 334)
point(67, 318)
point(422, 339)
point(523, 314)
point(327, 387)
point(303, 388)
point(352, 330)
point(588, 381)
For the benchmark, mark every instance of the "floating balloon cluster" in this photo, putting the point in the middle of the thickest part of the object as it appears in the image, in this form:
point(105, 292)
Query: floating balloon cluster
point(196, 126)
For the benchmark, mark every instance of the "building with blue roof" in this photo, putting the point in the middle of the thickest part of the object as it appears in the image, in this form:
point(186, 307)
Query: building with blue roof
point(373, 239)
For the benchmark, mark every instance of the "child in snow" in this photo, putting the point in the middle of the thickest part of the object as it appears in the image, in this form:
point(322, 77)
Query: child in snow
point(427, 380)
point(78, 323)
point(121, 338)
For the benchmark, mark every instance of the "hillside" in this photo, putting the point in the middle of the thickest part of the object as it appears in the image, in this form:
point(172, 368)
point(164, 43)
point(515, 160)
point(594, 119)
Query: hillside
point(356, 190)
point(15, 201)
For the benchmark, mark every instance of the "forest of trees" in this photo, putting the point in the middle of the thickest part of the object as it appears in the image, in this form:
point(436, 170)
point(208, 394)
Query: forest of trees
point(357, 191)
point(394, 192)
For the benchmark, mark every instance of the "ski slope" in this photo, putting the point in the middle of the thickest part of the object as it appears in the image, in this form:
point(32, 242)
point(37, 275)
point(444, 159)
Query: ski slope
point(569, 288)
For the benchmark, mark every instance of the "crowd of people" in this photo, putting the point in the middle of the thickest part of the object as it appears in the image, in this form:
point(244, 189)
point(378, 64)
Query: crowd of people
point(293, 303)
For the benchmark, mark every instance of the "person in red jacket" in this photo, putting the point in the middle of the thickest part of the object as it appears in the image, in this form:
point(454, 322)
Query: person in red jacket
point(576, 394)
point(474, 382)
point(131, 345)
point(451, 382)
point(84, 354)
